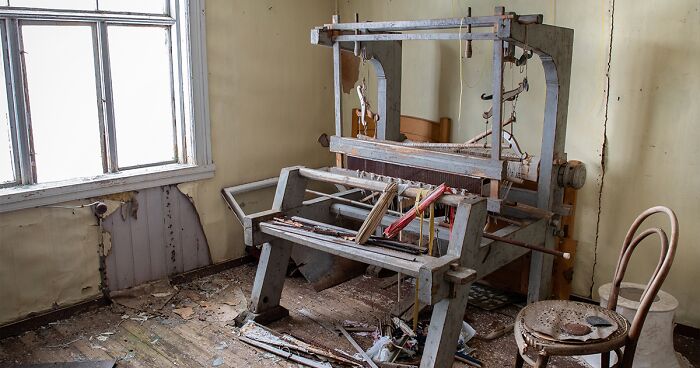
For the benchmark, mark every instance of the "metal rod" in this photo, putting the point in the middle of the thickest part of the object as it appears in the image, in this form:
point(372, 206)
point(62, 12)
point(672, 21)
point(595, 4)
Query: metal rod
point(342, 199)
point(537, 248)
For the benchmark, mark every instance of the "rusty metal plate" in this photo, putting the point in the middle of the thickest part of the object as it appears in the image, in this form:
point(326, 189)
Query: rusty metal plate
point(563, 320)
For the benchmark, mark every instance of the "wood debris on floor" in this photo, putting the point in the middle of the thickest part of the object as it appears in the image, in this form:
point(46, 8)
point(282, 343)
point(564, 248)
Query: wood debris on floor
point(194, 327)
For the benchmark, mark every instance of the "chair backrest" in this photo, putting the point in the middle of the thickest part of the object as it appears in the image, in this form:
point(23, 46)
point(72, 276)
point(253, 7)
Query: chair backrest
point(668, 251)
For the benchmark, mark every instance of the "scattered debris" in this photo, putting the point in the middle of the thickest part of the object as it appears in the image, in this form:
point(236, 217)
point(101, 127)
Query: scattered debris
point(141, 317)
point(289, 347)
point(407, 330)
point(64, 345)
point(97, 346)
point(185, 313)
point(128, 356)
point(162, 295)
point(285, 354)
point(152, 296)
point(217, 361)
point(497, 332)
point(76, 364)
point(357, 347)
point(380, 349)
point(468, 359)
point(221, 345)
point(104, 336)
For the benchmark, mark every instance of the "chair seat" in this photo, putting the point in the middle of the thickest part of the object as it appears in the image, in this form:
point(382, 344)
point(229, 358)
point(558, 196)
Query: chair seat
point(548, 312)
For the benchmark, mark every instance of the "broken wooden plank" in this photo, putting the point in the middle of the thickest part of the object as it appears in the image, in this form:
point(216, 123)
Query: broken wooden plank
point(357, 347)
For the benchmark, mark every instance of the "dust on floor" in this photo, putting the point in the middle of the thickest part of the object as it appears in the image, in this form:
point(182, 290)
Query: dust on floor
point(188, 326)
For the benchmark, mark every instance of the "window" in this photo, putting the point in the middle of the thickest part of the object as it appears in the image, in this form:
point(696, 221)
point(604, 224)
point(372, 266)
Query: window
point(101, 96)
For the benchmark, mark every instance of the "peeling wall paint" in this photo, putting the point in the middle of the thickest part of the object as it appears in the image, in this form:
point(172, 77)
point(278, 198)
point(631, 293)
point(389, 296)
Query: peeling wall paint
point(270, 96)
point(46, 260)
point(632, 116)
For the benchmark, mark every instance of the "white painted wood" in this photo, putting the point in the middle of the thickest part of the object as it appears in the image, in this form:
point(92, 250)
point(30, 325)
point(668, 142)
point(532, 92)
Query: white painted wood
point(165, 238)
point(196, 165)
point(28, 196)
point(269, 278)
point(199, 82)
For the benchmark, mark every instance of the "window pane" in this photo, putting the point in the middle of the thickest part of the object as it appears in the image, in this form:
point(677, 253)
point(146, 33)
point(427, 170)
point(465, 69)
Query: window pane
point(135, 6)
point(63, 101)
point(143, 100)
point(56, 4)
point(7, 169)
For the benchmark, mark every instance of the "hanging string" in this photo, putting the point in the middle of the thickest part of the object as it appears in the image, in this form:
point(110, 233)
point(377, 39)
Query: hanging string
point(431, 240)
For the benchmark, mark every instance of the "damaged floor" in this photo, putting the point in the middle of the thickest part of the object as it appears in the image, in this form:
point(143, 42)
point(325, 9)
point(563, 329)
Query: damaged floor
point(188, 326)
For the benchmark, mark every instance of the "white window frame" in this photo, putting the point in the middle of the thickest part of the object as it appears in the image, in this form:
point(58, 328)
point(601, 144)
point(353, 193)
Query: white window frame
point(195, 161)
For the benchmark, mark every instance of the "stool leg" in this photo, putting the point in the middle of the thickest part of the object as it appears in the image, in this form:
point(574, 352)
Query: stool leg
point(542, 360)
point(519, 361)
point(605, 360)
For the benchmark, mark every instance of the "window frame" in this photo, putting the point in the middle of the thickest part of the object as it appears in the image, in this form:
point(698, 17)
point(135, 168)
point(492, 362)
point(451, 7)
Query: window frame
point(190, 94)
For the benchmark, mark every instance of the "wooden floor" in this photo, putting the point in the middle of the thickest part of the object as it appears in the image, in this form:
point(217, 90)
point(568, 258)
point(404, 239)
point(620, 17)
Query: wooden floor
point(162, 338)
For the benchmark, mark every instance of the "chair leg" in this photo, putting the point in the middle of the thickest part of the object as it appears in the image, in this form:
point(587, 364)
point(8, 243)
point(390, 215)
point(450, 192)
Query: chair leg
point(605, 360)
point(519, 361)
point(542, 361)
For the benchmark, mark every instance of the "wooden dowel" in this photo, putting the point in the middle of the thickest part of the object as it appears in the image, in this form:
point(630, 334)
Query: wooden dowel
point(342, 199)
point(488, 132)
point(537, 248)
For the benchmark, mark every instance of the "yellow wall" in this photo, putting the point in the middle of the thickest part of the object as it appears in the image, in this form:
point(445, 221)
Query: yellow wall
point(48, 257)
point(270, 98)
point(653, 71)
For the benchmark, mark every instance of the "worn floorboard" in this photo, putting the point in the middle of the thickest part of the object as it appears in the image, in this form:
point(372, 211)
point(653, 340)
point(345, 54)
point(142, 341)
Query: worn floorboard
point(165, 339)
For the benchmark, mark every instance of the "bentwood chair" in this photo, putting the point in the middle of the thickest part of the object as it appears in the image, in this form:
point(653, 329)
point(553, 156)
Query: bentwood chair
point(567, 328)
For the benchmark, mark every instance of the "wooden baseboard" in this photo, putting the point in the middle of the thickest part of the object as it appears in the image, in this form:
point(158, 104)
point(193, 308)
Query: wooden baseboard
point(209, 270)
point(36, 320)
